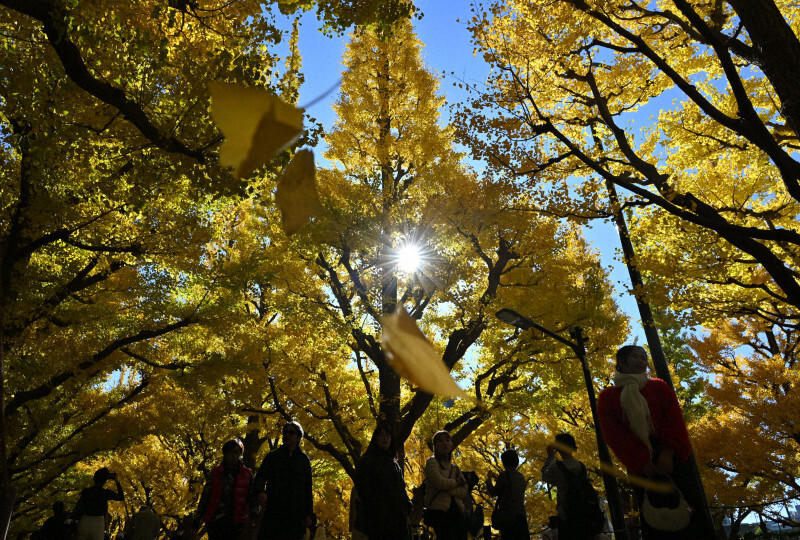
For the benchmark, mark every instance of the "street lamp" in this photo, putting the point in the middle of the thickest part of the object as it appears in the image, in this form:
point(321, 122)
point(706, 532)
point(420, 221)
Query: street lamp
point(513, 318)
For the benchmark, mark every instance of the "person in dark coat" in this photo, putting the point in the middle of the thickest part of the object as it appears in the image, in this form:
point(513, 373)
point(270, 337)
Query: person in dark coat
point(384, 503)
point(223, 505)
point(509, 488)
point(282, 488)
point(57, 526)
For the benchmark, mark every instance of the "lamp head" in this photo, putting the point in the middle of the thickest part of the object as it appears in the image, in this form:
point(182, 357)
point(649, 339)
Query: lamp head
point(509, 316)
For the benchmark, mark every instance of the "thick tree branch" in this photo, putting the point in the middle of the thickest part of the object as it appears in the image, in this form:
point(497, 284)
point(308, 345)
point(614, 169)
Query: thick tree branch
point(748, 125)
point(45, 389)
point(55, 20)
point(48, 455)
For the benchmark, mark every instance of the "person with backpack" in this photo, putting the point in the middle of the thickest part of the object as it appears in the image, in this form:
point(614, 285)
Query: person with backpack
point(577, 502)
point(445, 491)
point(509, 515)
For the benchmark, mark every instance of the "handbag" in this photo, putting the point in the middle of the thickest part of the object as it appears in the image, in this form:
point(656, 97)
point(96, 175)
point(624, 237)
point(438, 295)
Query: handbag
point(475, 519)
point(666, 511)
point(500, 518)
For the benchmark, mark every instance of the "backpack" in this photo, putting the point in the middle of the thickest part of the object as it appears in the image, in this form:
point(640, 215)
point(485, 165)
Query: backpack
point(473, 512)
point(581, 505)
point(418, 503)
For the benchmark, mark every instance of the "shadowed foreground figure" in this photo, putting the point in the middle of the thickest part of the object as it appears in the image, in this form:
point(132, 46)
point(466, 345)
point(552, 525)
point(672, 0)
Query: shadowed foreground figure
point(92, 506)
point(145, 525)
point(282, 488)
point(383, 501)
point(509, 488)
point(223, 504)
point(57, 526)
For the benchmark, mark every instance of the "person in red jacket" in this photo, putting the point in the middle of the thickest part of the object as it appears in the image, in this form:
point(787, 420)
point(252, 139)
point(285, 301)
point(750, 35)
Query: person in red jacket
point(223, 504)
point(643, 424)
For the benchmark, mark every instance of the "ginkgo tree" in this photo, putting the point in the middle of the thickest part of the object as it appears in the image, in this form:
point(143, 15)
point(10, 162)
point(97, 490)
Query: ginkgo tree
point(394, 178)
point(751, 389)
point(568, 78)
point(115, 213)
point(690, 110)
point(137, 268)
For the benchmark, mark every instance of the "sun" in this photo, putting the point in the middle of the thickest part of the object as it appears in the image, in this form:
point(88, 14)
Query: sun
point(409, 258)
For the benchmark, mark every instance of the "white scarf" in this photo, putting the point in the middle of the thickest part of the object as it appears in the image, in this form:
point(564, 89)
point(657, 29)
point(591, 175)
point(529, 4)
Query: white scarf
point(634, 405)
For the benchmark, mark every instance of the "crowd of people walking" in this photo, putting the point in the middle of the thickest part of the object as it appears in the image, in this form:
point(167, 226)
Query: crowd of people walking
point(640, 418)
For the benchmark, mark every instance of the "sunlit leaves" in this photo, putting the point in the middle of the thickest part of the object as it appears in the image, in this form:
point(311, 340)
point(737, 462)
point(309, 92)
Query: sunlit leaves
point(699, 140)
point(110, 238)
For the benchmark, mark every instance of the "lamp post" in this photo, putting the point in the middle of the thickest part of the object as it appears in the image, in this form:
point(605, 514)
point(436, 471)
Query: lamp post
point(612, 488)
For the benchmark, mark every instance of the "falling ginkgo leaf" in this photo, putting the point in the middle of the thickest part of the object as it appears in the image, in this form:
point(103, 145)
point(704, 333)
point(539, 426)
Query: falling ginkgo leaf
point(257, 125)
point(414, 358)
point(296, 195)
point(641, 481)
point(646, 483)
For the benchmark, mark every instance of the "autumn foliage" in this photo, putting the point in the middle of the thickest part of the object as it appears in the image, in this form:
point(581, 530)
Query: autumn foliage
point(687, 110)
point(170, 279)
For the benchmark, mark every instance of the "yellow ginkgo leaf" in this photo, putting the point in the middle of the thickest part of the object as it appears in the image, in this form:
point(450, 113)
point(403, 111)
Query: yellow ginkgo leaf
point(296, 195)
point(256, 124)
point(641, 481)
point(414, 358)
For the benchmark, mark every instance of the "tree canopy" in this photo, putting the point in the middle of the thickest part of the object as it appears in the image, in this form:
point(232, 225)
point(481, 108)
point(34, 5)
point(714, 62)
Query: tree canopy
point(154, 304)
point(393, 178)
point(687, 109)
point(115, 276)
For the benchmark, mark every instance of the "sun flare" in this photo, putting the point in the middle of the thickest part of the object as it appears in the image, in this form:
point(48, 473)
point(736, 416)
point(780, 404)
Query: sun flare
point(409, 258)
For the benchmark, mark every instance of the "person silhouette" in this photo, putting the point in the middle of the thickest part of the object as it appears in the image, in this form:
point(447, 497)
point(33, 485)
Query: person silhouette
point(57, 526)
point(92, 506)
point(145, 525)
point(385, 505)
point(282, 488)
point(509, 488)
point(223, 505)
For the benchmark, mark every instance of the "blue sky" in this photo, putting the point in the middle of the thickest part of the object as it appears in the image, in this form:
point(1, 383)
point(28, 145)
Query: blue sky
point(449, 52)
